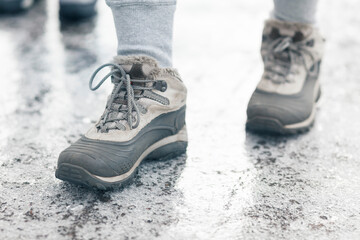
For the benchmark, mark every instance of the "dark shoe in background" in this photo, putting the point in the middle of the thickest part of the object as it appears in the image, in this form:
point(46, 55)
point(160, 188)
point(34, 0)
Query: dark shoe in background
point(73, 10)
point(15, 6)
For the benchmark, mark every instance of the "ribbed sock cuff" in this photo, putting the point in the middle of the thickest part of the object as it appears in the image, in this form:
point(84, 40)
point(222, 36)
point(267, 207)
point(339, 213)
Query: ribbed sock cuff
point(301, 11)
point(145, 27)
point(114, 3)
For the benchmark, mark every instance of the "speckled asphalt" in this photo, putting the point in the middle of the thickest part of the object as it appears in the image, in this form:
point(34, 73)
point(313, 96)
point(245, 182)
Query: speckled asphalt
point(230, 185)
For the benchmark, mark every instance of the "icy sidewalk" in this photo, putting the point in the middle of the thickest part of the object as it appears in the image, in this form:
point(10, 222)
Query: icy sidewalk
point(231, 184)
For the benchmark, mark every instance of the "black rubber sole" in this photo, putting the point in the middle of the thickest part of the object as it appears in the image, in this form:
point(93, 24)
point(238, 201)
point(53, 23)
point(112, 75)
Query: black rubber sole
point(265, 125)
point(79, 176)
point(272, 126)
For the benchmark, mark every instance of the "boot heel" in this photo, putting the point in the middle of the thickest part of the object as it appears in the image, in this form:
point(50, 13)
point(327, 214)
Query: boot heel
point(168, 151)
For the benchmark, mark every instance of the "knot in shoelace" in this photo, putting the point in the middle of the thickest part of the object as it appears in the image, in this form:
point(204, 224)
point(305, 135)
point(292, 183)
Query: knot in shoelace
point(284, 52)
point(122, 104)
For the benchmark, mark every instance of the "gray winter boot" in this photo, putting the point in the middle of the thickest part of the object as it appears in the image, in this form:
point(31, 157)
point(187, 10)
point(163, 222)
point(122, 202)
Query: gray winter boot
point(144, 119)
point(284, 100)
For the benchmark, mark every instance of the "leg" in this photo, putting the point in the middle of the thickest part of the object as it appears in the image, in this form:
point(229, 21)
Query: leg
point(144, 28)
point(302, 11)
point(284, 100)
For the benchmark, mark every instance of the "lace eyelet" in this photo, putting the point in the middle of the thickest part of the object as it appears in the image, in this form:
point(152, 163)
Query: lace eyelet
point(160, 85)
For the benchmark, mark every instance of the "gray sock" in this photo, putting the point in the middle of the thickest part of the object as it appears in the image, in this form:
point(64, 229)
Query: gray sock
point(302, 11)
point(144, 27)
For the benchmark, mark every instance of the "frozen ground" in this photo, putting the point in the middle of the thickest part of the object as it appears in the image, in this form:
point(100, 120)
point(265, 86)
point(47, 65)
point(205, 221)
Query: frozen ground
point(231, 185)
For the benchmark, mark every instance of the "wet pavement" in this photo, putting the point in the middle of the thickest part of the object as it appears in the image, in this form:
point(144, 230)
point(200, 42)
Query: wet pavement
point(230, 185)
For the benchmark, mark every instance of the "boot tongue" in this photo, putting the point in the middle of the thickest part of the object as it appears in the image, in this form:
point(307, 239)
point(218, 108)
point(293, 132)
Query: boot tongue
point(138, 70)
point(138, 67)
